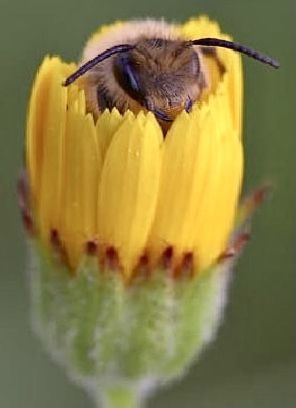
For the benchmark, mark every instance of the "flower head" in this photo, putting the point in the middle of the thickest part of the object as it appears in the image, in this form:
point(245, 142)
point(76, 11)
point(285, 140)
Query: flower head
point(119, 190)
point(119, 182)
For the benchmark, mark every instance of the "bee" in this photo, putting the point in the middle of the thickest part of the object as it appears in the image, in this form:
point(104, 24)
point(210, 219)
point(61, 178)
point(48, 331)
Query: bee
point(147, 65)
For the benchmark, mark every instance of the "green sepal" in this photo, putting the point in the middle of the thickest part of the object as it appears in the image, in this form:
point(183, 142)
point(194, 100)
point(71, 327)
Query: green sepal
point(128, 336)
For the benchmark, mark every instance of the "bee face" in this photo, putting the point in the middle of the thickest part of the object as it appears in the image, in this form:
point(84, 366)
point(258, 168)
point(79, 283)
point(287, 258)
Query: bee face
point(159, 73)
point(163, 76)
point(144, 65)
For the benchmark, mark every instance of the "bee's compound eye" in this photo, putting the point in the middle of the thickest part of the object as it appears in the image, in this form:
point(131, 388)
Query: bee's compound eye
point(128, 76)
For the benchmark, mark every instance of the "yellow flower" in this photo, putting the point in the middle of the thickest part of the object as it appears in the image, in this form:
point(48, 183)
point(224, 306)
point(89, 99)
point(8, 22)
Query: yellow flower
point(118, 182)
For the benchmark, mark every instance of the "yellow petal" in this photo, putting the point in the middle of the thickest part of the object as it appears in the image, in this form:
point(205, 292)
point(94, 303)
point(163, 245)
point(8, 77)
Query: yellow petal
point(203, 27)
point(129, 187)
point(42, 96)
point(188, 152)
point(200, 183)
point(235, 83)
point(51, 141)
point(231, 84)
point(231, 179)
point(200, 27)
point(82, 168)
point(63, 159)
point(217, 209)
point(107, 124)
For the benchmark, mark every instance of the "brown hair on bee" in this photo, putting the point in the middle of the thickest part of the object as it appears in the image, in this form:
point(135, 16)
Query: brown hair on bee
point(145, 65)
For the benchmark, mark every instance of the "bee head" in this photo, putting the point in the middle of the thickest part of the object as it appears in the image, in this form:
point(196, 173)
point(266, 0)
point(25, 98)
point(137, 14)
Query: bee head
point(164, 76)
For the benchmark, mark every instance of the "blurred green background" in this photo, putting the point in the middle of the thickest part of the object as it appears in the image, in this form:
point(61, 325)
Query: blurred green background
point(252, 364)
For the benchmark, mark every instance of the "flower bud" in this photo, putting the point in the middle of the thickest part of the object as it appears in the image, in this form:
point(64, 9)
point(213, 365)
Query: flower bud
point(130, 228)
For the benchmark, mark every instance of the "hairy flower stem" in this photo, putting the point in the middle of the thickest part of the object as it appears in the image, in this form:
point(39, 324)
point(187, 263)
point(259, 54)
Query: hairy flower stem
point(119, 396)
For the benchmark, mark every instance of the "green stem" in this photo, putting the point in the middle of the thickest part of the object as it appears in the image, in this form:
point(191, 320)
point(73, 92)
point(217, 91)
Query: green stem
point(119, 396)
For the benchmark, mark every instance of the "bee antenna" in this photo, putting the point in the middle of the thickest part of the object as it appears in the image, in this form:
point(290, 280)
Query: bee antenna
point(97, 60)
point(250, 52)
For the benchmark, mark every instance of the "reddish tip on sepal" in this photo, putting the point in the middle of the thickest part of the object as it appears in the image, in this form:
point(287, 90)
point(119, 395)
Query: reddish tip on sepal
point(111, 259)
point(261, 194)
point(236, 247)
point(91, 248)
point(167, 257)
point(23, 202)
point(58, 247)
point(186, 267)
point(23, 189)
point(27, 222)
point(252, 202)
point(255, 199)
point(55, 238)
point(142, 270)
point(143, 266)
point(240, 241)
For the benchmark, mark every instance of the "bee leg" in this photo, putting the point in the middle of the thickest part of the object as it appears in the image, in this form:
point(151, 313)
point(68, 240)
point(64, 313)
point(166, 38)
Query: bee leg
point(162, 116)
point(188, 104)
point(104, 100)
point(148, 104)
